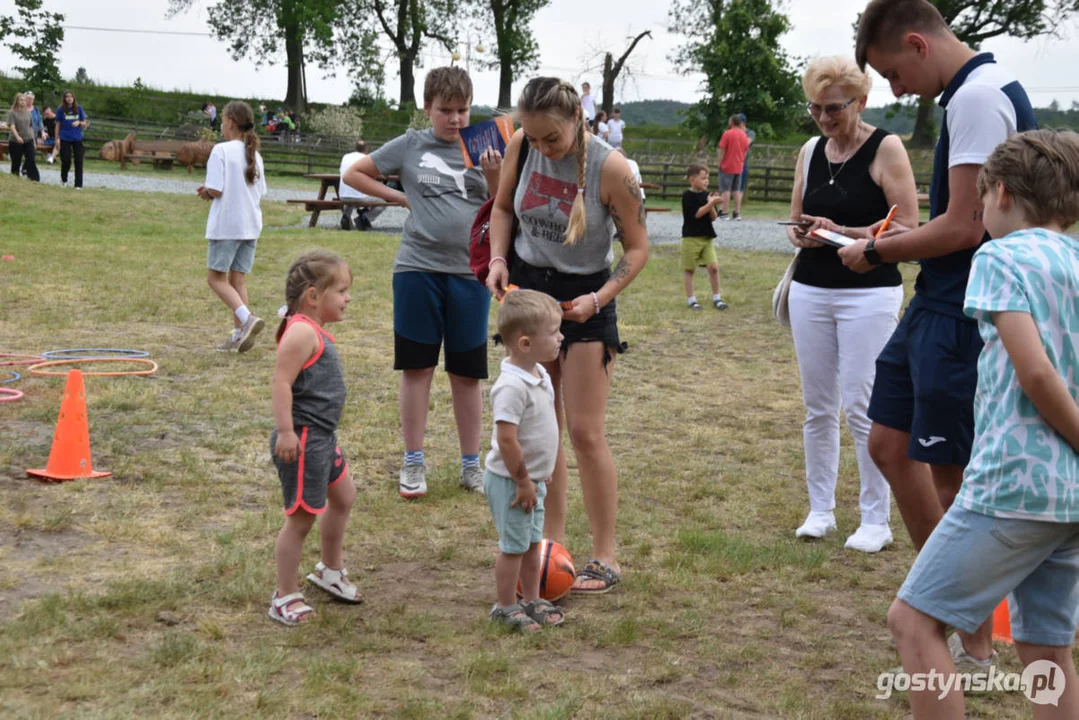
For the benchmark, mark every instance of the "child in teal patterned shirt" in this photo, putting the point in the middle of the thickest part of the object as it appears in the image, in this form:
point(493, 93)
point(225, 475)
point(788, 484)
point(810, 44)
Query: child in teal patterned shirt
point(1014, 527)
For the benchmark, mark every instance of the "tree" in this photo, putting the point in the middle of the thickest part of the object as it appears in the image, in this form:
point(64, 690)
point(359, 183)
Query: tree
point(34, 36)
point(735, 43)
point(408, 24)
point(516, 49)
point(82, 77)
point(260, 27)
point(611, 70)
point(975, 21)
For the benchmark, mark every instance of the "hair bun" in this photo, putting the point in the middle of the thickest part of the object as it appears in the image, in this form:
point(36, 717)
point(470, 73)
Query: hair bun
point(247, 126)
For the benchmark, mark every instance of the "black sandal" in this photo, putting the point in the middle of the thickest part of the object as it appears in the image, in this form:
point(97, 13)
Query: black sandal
point(597, 570)
point(542, 610)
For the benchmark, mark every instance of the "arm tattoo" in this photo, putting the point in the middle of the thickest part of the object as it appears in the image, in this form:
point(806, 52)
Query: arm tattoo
point(621, 270)
point(634, 189)
point(619, 230)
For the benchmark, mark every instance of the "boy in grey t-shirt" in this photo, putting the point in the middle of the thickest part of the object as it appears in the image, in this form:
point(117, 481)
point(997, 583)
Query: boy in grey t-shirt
point(436, 298)
point(524, 447)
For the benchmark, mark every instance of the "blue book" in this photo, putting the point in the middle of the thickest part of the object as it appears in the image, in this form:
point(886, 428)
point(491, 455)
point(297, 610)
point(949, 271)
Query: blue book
point(475, 139)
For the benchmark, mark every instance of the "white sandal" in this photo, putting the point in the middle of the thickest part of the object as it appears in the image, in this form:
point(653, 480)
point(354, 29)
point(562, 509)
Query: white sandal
point(336, 583)
point(290, 610)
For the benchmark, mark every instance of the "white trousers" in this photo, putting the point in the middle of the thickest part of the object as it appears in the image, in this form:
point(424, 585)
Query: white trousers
point(837, 337)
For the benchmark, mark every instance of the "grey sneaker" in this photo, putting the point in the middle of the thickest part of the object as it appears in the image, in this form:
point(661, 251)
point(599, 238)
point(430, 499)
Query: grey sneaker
point(231, 344)
point(964, 661)
point(248, 332)
point(412, 482)
point(472, 479)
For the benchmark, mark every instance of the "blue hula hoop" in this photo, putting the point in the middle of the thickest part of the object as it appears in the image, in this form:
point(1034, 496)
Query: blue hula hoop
point(92, 353)
point(11, 379)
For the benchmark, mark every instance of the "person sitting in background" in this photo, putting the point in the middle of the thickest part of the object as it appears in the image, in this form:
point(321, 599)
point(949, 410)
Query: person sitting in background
point(48, 120)
point(364, 216)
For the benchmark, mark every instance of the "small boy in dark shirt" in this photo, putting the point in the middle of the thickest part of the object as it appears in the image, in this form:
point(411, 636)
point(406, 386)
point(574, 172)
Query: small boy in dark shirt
point(698, 213)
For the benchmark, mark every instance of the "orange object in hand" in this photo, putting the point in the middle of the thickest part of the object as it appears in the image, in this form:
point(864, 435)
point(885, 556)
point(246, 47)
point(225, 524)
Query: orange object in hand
point(507, 290)
point(566, 305)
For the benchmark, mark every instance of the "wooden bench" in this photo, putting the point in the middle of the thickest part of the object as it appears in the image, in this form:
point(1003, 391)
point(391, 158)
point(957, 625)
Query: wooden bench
point(41, 148)
point(315, 207)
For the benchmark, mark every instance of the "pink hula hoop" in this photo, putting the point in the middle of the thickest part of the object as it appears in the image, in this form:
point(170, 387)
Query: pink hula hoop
point(12, 395)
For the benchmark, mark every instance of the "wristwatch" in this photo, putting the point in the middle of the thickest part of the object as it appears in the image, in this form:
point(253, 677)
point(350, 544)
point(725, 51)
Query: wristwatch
point(871, 255)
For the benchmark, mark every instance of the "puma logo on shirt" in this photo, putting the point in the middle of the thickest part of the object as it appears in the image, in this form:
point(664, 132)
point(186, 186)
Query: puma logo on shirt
point(430, 160)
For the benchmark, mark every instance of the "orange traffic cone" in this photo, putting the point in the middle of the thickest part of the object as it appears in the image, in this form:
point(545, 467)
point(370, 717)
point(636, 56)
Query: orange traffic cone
point(1002, 624)
point(70, 455)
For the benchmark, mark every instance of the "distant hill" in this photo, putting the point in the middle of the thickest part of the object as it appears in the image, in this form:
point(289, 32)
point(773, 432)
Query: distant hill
point(654, 112)
point(901, 121)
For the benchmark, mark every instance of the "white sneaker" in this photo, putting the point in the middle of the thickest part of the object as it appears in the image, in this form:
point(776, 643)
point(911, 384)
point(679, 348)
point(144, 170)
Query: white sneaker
point(412, 482)
point(964, 661)
point(816, 525)
point(248, 332)
point(870, 538)
point(336, 583)
point(472, 479)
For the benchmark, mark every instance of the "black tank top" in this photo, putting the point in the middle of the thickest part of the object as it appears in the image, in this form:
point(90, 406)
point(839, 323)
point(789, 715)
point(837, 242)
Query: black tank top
point(854, 200)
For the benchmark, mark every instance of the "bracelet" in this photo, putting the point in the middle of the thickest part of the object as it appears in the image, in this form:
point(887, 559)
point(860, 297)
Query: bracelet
point(595, 304)
point(495, 259)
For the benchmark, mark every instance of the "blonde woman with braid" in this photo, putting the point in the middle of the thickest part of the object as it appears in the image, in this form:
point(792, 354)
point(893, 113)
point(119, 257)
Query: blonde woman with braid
point(574, 198)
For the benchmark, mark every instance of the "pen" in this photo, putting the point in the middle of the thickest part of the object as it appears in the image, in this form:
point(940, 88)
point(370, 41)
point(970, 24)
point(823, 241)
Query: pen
point(887, 220)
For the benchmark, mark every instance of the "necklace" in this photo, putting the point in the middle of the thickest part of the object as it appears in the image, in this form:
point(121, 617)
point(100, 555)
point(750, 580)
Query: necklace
point(857, 145)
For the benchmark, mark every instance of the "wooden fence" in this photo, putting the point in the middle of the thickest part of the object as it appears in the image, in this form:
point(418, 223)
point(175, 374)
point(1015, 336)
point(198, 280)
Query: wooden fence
point(771, 168)
point(766, 183)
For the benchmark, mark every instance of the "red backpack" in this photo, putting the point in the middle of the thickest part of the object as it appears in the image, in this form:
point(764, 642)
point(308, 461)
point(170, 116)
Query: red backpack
point(479, 243)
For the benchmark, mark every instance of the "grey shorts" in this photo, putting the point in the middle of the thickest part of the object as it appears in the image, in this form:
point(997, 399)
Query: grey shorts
point(729, 181)
point(230, 255)
point(320, 466)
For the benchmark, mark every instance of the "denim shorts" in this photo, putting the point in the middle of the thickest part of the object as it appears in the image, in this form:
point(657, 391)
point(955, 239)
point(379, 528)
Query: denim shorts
point(972, 561)
point(517, 530)
point(230, 255)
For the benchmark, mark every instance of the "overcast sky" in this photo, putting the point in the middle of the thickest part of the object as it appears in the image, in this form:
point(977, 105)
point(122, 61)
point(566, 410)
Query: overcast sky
point(570, 36)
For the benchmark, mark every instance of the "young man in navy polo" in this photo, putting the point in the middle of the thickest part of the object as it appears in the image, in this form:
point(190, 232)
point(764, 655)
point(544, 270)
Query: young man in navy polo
point(922, 406)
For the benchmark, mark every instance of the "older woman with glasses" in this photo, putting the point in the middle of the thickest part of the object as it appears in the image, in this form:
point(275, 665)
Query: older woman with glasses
point(841, 319)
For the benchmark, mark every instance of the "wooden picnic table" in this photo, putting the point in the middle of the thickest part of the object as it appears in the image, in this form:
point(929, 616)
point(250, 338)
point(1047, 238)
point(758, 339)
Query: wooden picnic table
point(320, 203)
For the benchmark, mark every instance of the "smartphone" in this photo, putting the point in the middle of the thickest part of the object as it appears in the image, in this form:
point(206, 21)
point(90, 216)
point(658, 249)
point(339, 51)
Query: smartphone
point(798, 223)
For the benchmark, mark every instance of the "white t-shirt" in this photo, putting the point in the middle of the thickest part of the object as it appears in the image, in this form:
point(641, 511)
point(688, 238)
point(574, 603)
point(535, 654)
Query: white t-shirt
point(347, 191)
point(235, 214)
point(602, 130)
point(616, 127)
point(980, 116)
point(522, 399)
point(589, 106)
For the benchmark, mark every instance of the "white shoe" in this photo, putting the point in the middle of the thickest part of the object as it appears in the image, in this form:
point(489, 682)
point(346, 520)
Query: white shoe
point(816, 525)
point(412, 482)
point(248, 332)
point(336, 583)
point(472, 479)
point(964, 661)
point(870, 538)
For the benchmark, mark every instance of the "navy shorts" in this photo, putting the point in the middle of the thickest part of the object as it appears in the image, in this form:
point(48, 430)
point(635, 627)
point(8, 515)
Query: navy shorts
point(927, 375)
point(432, 309)
point(320, 466)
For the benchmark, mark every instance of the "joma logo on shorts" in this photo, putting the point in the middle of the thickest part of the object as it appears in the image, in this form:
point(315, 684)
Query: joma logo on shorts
point(933, 440)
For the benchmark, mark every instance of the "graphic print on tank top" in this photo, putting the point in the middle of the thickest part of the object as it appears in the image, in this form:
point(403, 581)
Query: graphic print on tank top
point(546, 206)
point(459, 181)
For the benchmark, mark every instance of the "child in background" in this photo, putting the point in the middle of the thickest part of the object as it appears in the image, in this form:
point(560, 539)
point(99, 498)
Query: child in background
point(308, 396)
point(436, 298)
point(524, 446)
point(1014, 526)
point(235, 182)
point(698, 213)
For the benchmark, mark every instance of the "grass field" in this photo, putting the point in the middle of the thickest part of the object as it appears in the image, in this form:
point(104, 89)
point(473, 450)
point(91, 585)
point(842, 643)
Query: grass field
point(144, 594)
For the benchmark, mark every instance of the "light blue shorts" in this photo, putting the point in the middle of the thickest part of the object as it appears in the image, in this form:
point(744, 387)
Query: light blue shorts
point(972, 561)
point(517, 530)
point(230, 255)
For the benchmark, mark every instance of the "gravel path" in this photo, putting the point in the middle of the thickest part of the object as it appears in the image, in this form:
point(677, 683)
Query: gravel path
point(663, 228)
